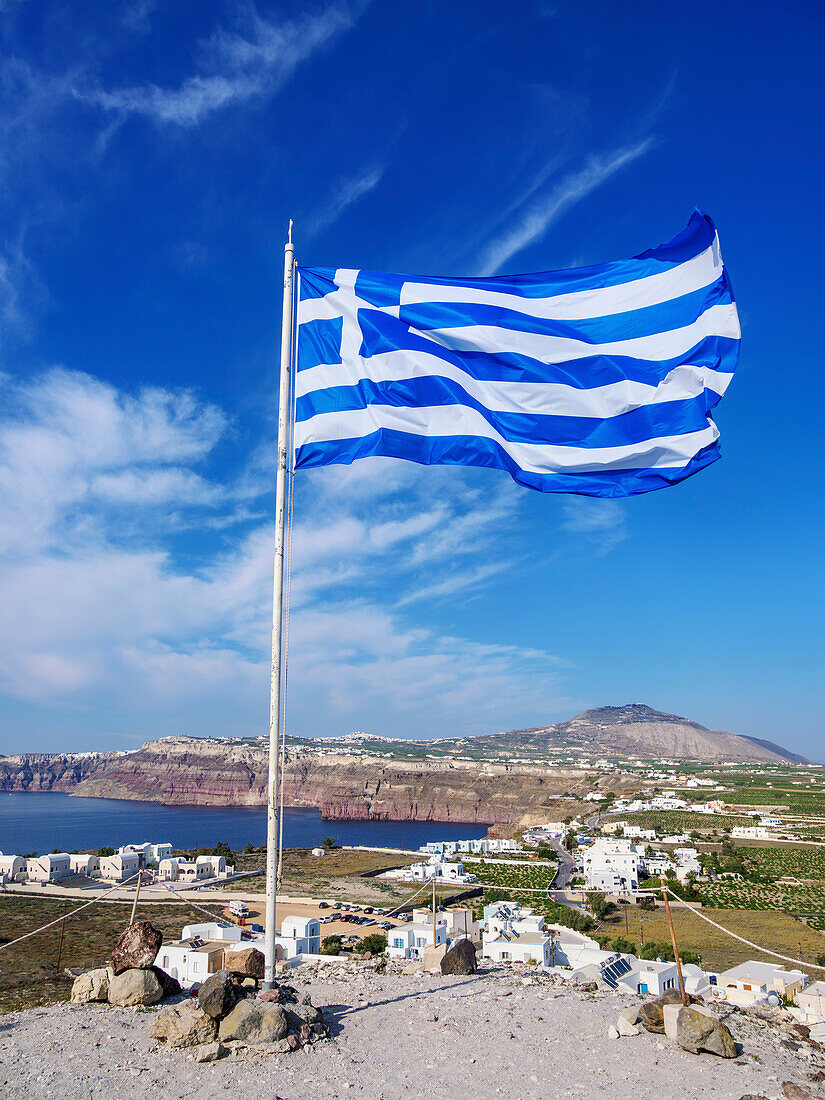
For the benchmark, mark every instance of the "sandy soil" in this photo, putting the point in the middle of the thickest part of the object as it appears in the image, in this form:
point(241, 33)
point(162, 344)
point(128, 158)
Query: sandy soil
point(402, 1036)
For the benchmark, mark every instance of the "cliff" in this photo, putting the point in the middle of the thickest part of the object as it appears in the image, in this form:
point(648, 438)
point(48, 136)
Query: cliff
point(184, 771)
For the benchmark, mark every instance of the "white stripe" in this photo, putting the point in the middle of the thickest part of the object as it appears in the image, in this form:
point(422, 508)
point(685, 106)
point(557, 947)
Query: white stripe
point(544, 398)
point(700, 271)
point(719, 320)
point(539, 458)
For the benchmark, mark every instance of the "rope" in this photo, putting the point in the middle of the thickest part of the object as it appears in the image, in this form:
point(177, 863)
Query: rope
point(398, 908)
point(733, 935)
point(68, 916)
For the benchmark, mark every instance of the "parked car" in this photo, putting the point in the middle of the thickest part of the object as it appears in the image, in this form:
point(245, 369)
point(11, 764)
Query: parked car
point(323, 905)
point(368, 909)
point(336, 905)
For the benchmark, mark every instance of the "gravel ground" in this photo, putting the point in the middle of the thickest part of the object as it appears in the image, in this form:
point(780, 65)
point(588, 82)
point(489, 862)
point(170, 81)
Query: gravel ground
point(397, 1035)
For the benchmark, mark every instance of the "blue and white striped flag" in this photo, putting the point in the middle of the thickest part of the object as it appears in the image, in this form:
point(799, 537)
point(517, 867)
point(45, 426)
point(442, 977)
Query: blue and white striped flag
point(599, 380)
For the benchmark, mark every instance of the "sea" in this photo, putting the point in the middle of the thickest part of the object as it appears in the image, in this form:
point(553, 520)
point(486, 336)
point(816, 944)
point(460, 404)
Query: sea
point(44, 821)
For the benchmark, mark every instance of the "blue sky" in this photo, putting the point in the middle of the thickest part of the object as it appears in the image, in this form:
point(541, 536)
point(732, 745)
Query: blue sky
point(150, 156)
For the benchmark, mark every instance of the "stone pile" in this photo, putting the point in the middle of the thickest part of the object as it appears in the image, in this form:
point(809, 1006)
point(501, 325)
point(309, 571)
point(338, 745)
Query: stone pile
point(229, 1015)
point(694, 1026)
point(131, 978)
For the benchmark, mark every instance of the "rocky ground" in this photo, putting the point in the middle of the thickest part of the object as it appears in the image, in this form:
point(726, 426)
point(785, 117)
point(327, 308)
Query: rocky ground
point(398, 1035)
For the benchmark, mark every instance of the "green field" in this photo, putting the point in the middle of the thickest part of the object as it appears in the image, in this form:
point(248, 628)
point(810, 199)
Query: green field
point(684, 821)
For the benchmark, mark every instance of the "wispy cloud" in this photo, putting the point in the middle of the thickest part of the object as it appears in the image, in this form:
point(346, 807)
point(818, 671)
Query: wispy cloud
point(347, 192)
point(602, 522)
point(237, 67)
point(533, 220)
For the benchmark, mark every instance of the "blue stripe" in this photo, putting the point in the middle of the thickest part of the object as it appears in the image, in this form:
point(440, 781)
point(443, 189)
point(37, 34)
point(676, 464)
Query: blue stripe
point(383, 333)
point(477, 451)
point(319, 342)
point(648, 321)
point(634, 426)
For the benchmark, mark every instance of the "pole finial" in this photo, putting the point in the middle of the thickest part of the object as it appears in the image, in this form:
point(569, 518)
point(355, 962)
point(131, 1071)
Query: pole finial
point(289, 233)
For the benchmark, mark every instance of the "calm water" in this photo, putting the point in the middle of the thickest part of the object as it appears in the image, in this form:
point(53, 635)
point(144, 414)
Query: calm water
point(43, 822)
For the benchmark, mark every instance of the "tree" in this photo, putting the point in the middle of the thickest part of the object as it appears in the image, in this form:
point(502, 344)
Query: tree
point(331, 945)
point(647, 903)
point(599, 904)
point(623, 946)
point(570, 841)
point(375, 943)
point(544, 851)
point(329, 842)
point(222, 849)
point(106, 851)
point(248, 849)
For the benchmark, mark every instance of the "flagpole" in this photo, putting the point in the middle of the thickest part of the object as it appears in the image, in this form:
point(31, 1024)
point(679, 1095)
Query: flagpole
point(275, 732)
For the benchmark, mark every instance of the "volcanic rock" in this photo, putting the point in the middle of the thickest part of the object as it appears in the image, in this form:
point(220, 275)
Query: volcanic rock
point(460, 959)
point(218, 995)
point(137, 947)
point(135, 987)
point(91, 986)
point(183, 1025)
point(697, 1032)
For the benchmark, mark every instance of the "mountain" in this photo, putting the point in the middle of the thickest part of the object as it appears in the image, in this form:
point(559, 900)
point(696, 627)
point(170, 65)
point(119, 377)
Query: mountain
point(640, 732)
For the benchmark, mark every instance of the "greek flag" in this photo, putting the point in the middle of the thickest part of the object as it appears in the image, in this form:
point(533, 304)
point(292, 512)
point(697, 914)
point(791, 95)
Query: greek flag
point(599, 380)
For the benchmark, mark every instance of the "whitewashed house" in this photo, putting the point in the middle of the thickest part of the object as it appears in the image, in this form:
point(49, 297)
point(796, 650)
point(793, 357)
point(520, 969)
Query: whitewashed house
point(199, 952)
point(142, 851)
point(753, 982)
point(84, 863)
point(750, 832)
point(658, 864)
point(217, 866)
point(299, 936)
point(411, 940)
point(189, 870)
point(168, 869)
point(612, 865)
point(522, 947)
point(811, 1000)
point(120, 867)
point(49, 868)
point(12, 868)
point(160, 851)
point(650, 976)
point(439, 870)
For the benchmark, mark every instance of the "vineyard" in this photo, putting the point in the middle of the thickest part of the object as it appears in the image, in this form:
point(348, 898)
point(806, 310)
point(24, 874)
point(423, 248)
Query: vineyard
point(797, 882)
point(685, 821)
point(528, 877)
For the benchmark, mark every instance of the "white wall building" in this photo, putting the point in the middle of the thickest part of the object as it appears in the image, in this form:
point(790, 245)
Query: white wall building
point(750, 832)
point(120, 867)
point(523, 947)
point(84, 863)
point(298, 936)
point(612, 865)
point(811, 1000)
point(49, 868)
point(649, 976)
point(752, 982)
point(11, 868)
point(411, 940)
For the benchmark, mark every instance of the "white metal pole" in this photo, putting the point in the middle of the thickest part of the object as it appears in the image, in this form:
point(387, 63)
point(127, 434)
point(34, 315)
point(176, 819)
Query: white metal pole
point(277, 617)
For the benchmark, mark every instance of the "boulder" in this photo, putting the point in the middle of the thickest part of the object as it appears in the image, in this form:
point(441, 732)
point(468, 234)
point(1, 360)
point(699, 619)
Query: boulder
point(91, 986)
point(630, 1014)
point(170, 986)
point(612, 1032)
point(218, 995)
point(134, 987)
point(460, 959)
point(698, 1032)
point(270, 996)
point(248, 963)
point(183, 1025)
point(652, 1018)
point(625, 1028)
point(211, 1052)
point(252, 1022)
point(137, 947)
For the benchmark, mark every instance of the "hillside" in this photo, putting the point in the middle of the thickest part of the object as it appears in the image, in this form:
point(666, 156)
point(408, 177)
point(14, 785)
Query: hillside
point(498, 778)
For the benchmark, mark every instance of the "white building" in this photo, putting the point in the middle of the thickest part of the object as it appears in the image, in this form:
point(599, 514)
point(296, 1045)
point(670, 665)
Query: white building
point(811, 1000)
point(11, 868)
point(120, 867)
point(523, 947)
point(612, 865)
point(84, 863)
point(199, 952)
point(217, 866)
point(752, 982)
point(49, 868)
point(650, 976)
point(458, 923)
point(411, 940)
point(439, 870)
point(168, 869)
point(658, 864)
point(750, 832)
point(298, 936)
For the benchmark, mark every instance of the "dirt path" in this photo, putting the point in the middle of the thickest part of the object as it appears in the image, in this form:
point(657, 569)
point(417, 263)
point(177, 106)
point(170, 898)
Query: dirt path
point(401, 1036)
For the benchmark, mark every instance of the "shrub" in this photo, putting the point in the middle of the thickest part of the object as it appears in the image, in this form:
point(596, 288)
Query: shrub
point(331, 945)
point(375, 943)
point(623, 946)
point(106, 851)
